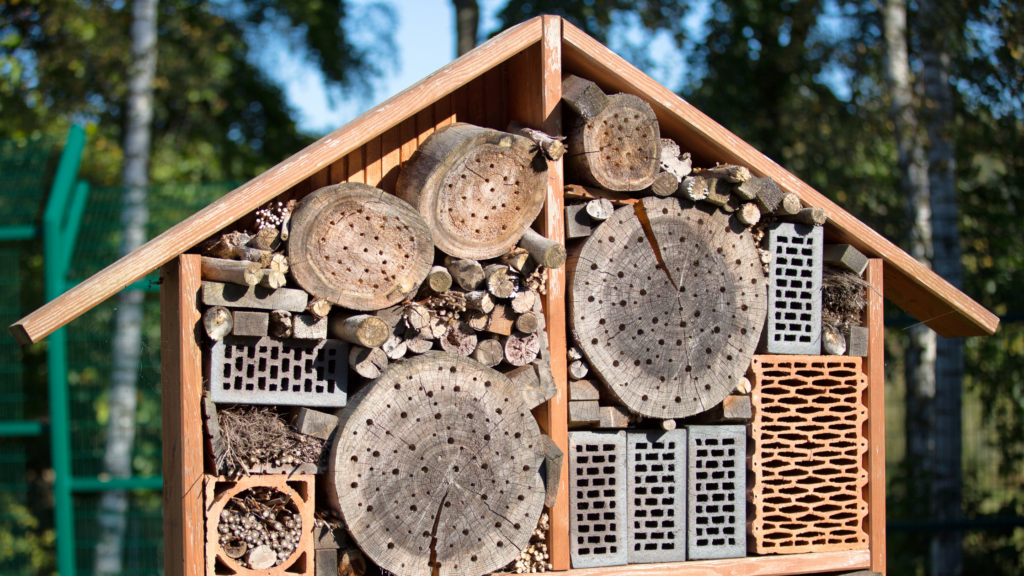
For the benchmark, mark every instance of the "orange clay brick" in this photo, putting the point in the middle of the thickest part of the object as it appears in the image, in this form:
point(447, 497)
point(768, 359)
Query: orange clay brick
point(299, 487)
point(809, 452)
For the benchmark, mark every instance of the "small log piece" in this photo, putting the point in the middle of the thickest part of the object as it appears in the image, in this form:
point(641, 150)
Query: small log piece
point(585, 193)
point(673, 161)
point(668, 425)
point(459, 339)
point(501, 320)
point(351, 562)
point(764, 191)
point(417, 316)
point(480, 300)
point(489, 352)
point(578, 369)
point(308, 327)
point(520, 348)
point(279, 262)
point(272, 279)
point(359, 247)
point(501, 281)
point(468, 274)
point(478, 189)
point(551, 146)
point(578, 224)
point(438, 280)
point(360, 329)
point(743, 386)
point(524, 301)
point(693, 188)
point(728, 172)
point(604, 131)
point(789, 205)
point(217, 322)
point(395, 347)
point(583, 390)
point(243, 273)
point(613, 417)
point(546, 252)
point(846, 257)
point(247, 323)
point(248, 253)
point(584, 413)
point(266, 239)
point(516, 259)
point(280, 324)
point(477, 320)
point(600, 209)
point(833, 343)
point(224, 247)
point(319, 307)
point(367, 362)
point(664, 185)
point(718, 193)
point(527, 322)
point(812, 216)
point(420, 343)
point(749, 214)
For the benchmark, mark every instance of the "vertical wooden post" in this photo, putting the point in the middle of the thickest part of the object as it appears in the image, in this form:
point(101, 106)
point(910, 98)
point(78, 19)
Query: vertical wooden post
point(181, 391)
point(874, 366)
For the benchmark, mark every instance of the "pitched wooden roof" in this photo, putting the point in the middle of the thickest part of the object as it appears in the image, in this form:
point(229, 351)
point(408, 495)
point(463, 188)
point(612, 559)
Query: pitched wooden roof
point(908, 283)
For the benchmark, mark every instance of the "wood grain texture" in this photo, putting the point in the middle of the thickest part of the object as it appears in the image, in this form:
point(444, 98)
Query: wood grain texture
point(373, 162)
point(181, 381)
point(912, 286)
point(356, 167)
point(758, 566)
point(391, 159)
point(269, 185)
point(338, 171)
point(874, 366)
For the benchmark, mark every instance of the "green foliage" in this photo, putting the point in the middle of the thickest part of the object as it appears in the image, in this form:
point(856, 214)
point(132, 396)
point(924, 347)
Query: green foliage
point(24, 547)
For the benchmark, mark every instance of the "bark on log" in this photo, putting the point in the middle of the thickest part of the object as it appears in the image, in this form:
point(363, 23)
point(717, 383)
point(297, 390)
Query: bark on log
point(439, 280)
point(520, 348)
point(524, 301)
point(673, 161)
point(617, 145)
point(478, 189)
point(718, 193)
point(489, 352)
point(749, 214)
point(358, 247)
point(790, 204)
point(480, 300)
point(544, 251)
point(280, 324)
point(241, 272)
point(367, 362)
point(668, 310)
point(527, 322)
point(361, 329)
point(665, 184)
point(437, 464)
point(728, 172)
point(810, 216)
point(218, 322)
point(693, 188)
point(395, 347)
point(468, 274)
point(224, 247)
point(459, 339)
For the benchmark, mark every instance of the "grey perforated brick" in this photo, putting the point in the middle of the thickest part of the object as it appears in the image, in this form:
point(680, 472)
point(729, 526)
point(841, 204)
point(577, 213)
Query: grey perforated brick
point(716, 514)
point(656, 505)
point(597, 499)
point(287, 372)
point(793, 325)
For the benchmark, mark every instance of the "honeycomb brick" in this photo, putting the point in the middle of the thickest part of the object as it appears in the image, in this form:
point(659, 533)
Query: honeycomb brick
point(716, 514)
point(656, 506)
point(793, 325)
point(300, 489)
point(807, 467)
point(279, 372)
point(597, 499)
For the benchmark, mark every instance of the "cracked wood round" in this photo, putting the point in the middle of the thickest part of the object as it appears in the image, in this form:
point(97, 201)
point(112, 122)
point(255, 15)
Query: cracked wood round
point(620, 149)
point(435, 466)
point(478, 189)
point(358, 247)
point(668, 302)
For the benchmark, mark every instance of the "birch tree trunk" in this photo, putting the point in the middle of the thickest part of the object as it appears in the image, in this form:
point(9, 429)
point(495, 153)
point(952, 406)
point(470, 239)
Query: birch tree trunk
point(467, 21)
point(937, 24)
point(117, 458)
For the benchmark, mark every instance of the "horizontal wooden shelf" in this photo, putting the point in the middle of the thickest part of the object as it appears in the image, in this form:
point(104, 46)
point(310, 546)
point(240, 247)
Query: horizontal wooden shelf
point(755, 566)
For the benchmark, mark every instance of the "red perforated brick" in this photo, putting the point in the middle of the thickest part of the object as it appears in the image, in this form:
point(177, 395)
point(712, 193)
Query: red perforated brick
point(808, 460)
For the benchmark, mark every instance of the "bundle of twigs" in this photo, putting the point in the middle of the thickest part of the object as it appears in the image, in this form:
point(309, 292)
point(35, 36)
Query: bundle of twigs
point(254, 435)
point(843, 297)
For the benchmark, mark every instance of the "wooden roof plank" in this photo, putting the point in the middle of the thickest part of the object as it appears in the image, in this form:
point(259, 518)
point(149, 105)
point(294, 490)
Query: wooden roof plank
point(909, 284)
point(268, 185)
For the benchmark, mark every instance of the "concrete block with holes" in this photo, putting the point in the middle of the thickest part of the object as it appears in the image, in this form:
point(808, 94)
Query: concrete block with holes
point(656, 505)
point(793, 324)
point(716, 515)
point(288, 372)
point(597, 499)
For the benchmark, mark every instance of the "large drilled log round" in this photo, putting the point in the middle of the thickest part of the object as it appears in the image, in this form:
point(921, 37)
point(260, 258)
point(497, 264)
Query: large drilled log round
point(478, 189)
point(620, 149)
point(670, 340)
point(358, 247)
point(435, 465)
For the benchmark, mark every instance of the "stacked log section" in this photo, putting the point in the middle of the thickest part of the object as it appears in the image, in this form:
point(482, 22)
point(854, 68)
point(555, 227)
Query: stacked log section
point(619, 149)
point(478, 189)
point(668, 301)
point(435, 469)
point(808, 466)
point(358, 247)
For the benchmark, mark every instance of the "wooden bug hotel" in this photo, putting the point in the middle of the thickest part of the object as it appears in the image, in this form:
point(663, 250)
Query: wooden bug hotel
point(535, 313)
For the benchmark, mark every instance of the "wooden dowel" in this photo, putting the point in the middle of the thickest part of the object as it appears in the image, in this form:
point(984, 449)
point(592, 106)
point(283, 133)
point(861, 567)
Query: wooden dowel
point(362, 329)
point(544, 251)
point(242, 272)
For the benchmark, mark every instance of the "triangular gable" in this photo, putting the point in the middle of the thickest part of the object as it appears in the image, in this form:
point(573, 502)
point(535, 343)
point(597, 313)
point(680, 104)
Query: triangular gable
point(908, 283)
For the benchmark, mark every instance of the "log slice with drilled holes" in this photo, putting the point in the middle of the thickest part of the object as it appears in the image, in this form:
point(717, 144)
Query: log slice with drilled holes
point(620, 149)
point(668, 300)
point(358, 247)
point(435, 468)
point(478, 189)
